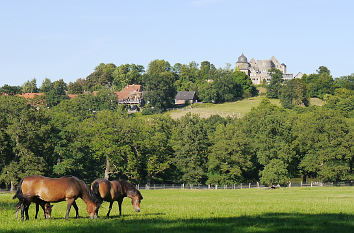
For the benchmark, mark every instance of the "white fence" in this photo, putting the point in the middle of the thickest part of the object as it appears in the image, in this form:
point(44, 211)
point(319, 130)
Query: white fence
point(239, 186)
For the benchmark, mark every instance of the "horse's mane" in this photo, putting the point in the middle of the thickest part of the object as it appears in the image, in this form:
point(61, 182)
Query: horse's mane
point(130, 187)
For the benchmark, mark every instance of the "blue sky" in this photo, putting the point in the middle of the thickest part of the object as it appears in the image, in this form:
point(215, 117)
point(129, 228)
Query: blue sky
point(67, 39)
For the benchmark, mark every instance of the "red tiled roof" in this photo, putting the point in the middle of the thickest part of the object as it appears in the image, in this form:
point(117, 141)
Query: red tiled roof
point(71, 96)
point(128, 91)
point(30, 95)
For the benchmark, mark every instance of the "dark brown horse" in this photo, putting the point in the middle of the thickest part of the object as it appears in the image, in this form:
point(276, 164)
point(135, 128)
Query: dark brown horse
point(115, 190)
point(46, 206)
point(46, 189)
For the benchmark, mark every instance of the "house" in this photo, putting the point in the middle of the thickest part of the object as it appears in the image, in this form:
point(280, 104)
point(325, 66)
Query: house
point(185, 97)
point(35, 99)
point(131, 94)
point(30, 95)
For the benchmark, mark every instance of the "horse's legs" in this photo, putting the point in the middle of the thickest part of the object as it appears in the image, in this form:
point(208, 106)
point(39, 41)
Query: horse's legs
point(26, 211)
point(18, 206)
point(22, 210)
point(76, 209)
point(110, 207)
point(37, 209)
point(70, 202)
point(120, 200)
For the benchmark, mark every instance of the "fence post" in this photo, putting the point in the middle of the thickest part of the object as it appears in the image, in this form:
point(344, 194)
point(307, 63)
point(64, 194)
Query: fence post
point(257, 184)
point(182, 186)
point(249, 185)
point(311, 183)
point(216, 187)
point(164, 187)
point(289, 184)
point(241, 185)
point(138, 186)
point(301, 184)
point(154, 186)
point(208, 186)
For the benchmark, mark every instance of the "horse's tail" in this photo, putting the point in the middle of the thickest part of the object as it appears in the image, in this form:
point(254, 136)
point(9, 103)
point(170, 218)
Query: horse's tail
point(96, 192)
point(19, 193)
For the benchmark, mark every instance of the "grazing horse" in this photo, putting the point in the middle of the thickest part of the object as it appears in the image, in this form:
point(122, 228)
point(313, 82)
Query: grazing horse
point(46, 189)
point(46, 206)
point(115, 190)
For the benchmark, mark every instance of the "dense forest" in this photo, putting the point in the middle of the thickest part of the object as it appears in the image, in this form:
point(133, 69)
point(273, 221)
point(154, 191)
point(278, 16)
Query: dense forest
point(92, 136)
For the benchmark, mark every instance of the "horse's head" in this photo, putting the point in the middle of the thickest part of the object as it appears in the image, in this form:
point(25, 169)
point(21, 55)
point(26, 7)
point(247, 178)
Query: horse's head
point(136, 200)
point(48, 210)
point(92, 209)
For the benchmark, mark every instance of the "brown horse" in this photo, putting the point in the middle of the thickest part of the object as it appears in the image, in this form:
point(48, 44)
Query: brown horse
point(46, 189)
point(46, 206)
point(115, 190)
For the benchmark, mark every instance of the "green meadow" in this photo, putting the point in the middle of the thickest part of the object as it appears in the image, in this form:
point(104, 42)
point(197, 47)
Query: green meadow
point(233, 109)
point(317, 209)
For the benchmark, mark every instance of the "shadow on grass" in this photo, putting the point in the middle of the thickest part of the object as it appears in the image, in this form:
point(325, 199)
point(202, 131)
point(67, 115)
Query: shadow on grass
point(269, 223)
point(5, 205)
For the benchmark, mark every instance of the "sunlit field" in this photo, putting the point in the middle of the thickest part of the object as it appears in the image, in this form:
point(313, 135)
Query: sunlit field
point(317, 209)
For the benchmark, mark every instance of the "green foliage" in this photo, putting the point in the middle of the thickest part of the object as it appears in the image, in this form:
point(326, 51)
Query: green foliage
point(160, 91)
point(227, 88)
point(275, 172)
point(319, 84)
point(345, 82)
point(231, 156)
point(56, 92)
point(127, 74)
point(190, 143)
point(294, 93)
point(274, 87)
point(323, 140)
point(10, 90)
point(30, 86)
point(76, 87)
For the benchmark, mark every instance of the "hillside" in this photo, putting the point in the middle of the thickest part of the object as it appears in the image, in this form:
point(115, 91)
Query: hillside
point(236, 109)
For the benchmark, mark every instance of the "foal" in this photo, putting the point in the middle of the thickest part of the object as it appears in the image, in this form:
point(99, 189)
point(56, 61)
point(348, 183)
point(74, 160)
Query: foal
point(46, 206)
point(115, 190)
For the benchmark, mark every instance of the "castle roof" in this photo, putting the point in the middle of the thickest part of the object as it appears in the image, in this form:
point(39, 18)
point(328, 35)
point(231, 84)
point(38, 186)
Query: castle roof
point(242, 59)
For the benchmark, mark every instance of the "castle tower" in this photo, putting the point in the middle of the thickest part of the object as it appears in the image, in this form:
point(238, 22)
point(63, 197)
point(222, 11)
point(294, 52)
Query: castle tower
point(243, 65)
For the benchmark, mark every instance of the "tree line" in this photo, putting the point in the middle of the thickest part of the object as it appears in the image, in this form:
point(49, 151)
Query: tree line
point(160, 83)
point(92, 137)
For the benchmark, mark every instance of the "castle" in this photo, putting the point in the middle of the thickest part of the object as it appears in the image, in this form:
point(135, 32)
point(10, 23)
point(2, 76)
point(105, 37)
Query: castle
point(258, 70)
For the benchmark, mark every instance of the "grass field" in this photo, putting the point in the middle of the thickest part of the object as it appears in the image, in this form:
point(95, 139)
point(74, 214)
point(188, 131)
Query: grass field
point(234, 109)
point(319, 209)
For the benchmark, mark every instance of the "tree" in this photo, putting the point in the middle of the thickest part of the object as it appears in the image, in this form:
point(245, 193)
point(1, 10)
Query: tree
point(294, 93)
point(319, 84)
point(47, 85)
point(226, 86)
point(274, 173)
point(76, 87)
point(101, 77)
point(56, 94)
point(248, 89)
point(10, 90)
point(30, 86)
point(323, 142)
point(160, 90)
point(345, 82)
point(231, 157)
point(127, 74)
point(158, 66)
point(342, 101)
point(190, 143)
point(274, 87)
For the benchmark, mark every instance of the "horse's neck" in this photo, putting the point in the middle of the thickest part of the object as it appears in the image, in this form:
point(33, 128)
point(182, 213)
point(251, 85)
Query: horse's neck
point(85, 193)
